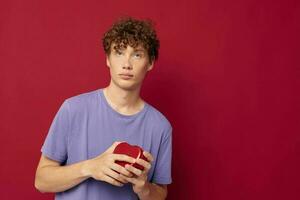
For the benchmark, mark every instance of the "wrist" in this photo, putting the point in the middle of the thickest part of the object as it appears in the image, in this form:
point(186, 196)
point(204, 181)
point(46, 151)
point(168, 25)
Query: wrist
point(145, 191)
point(86, 169)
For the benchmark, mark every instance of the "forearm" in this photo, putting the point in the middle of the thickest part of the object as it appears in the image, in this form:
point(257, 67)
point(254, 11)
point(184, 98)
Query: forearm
point(60, 178)
point(153, 192)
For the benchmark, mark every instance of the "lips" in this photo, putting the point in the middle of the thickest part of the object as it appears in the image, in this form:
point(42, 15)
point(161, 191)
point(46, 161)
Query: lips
point(126, 76)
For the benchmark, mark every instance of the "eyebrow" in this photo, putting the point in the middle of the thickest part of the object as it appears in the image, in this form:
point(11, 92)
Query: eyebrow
point(139, 49)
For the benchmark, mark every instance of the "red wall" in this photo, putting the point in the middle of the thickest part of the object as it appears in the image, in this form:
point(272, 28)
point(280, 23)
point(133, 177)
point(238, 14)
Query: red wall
point(227, 78)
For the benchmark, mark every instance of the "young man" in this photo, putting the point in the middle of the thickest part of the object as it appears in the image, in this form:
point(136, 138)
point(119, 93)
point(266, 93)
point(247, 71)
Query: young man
point(77, 160)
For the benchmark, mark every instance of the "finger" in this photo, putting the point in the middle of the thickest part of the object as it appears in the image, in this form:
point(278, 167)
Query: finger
point(148, 156)
point(122, 157)
point(112, 181)
point(130, 180)
point(133, 170)
point(144, 163)
point(113, 146)
point(122, 170)
point(111, 173)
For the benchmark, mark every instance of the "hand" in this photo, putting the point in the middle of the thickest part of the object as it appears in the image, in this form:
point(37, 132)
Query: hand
point(139, 179)
point(104, 168)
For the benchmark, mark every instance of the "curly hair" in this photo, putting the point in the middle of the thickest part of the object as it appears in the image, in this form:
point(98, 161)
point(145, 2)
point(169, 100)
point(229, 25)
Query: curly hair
point(132, 32)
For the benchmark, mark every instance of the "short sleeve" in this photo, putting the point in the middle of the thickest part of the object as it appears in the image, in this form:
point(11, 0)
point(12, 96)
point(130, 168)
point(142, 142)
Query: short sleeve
point(55, 144)
point(162, 171)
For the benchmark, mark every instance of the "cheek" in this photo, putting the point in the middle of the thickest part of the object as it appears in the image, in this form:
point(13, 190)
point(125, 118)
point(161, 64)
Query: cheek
point(142, 67)
point(141, 73)
point(114, 66)
point(115, 62)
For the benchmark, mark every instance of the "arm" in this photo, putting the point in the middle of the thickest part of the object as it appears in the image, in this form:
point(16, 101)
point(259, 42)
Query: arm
point(51, 177)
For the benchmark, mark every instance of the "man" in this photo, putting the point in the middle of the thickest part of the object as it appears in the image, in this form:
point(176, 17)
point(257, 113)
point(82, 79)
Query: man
point(77, 160)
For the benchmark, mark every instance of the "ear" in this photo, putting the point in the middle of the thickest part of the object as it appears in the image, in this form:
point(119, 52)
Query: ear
point(107, 61)
point(150, 66)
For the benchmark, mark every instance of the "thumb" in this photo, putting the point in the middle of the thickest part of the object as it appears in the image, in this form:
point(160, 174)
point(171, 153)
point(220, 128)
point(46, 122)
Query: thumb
point(113, 146)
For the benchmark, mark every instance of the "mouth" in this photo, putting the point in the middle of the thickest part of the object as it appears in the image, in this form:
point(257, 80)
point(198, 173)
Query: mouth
point(126, 76)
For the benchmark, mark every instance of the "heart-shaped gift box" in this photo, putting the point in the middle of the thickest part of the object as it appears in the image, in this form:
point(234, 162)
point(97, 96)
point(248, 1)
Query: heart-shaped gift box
point(133, 151)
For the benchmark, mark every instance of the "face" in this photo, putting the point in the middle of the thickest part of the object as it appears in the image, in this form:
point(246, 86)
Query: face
point(128, 66)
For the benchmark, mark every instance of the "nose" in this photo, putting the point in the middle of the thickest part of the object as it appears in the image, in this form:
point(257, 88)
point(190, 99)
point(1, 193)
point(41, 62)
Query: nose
point(127, 64)
point(127, 67)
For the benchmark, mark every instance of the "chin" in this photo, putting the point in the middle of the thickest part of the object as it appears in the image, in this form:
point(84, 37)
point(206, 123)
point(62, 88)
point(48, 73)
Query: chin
point(126, 86)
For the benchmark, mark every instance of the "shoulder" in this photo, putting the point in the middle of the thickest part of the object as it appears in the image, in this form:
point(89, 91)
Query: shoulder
point(158, 116)
point(83, 97)
point(82, 101)
point(159, 121)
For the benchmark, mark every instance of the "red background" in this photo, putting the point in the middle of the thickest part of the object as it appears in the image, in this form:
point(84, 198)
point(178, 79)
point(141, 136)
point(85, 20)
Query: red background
point(227, 78)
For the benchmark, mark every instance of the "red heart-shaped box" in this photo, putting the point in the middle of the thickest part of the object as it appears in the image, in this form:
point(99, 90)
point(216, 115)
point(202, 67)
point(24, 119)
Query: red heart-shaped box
point(132, 151)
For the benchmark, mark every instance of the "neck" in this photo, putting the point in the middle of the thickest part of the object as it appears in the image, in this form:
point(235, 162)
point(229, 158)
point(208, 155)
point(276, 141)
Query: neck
point(123, 101)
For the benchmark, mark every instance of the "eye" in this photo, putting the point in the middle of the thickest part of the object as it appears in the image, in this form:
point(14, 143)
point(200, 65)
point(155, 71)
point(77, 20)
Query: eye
point(138, 55)
point(118, 52)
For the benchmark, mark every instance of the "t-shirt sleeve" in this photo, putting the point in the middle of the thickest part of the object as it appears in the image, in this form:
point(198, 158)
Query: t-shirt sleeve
point(162, 171)
point(55, 144)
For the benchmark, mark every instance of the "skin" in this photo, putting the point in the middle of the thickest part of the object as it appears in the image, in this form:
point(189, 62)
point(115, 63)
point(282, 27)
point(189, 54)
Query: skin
point(124, 96)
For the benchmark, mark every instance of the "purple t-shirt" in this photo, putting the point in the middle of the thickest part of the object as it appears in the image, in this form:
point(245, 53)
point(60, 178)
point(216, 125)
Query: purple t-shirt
point(86, 125)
